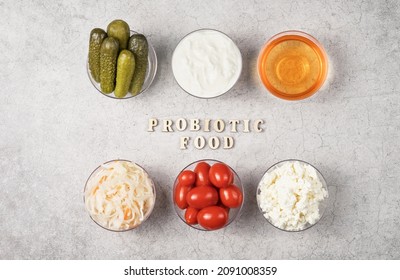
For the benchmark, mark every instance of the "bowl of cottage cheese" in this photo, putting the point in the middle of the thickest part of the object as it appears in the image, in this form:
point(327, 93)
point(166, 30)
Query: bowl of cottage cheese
point(292, 195)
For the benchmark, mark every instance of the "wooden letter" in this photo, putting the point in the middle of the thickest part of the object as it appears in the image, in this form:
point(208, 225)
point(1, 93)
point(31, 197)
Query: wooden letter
point(219, 125)
point(199, 142)
point(181, 124)
point(194, 125)
point(167, 127)
point(228, 142)
point(213, 143)
point(184, 142)
point(152, 124)
point(257, 125)
point(246, 126)
point(234, 124)
point(207, 125)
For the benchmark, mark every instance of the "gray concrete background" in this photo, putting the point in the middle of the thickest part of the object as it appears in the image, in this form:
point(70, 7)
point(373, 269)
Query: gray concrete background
point(55, 128)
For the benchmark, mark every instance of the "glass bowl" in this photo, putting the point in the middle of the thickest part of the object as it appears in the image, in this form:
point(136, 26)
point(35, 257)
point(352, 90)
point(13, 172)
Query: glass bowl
point(237, 74)
point(292, 65)
point(233, 212)
point(321, 206)
point(150, 72)
point(86, 189)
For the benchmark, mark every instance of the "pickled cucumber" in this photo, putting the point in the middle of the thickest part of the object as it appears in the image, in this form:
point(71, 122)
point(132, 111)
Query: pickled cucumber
point(139, 47)
point(97, 36)
point(125, 70)
point(108, 64)
point(119, 29)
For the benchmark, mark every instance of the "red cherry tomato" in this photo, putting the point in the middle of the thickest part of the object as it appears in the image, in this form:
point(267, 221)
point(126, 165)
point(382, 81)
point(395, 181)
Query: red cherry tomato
point(187, 178)
point(232, 178)
point(213, 217)
point(202, 169)
point(231, 196)
point(220, 175)
point(180, 195)
point(191, 215)
point(202, 196)
point(226, 208)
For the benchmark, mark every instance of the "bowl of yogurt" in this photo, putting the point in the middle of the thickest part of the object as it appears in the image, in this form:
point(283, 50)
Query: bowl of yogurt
point(206, 63)
point(292, 195)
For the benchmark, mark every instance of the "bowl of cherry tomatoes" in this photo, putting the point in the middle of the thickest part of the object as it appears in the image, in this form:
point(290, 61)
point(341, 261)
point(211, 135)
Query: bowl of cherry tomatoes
point(208, 195)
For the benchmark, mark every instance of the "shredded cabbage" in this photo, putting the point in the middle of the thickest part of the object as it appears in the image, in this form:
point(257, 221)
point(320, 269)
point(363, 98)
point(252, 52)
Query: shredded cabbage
point(119, 195)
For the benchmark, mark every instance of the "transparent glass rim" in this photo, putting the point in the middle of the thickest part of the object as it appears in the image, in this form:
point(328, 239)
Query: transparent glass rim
point(324, 185)
point(238, 209)
point(151, 77)
point(239, 74)
point(148, 213)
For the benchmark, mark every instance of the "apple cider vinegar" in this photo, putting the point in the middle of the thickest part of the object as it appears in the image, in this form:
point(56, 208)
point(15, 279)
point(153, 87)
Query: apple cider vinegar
point(292, 65)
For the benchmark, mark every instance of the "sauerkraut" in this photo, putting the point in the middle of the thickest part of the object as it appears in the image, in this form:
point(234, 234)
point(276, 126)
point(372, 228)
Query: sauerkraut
point(119, 195)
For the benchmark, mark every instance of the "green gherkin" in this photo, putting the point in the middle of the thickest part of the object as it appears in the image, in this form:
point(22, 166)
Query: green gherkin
point(97, 36)
point(139, 47)
point(125, 71)
point(119, 29)
point(108, 64)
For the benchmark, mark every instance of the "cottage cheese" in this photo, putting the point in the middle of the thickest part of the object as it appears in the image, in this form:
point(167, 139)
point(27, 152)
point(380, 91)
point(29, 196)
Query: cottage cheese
point(290, 195)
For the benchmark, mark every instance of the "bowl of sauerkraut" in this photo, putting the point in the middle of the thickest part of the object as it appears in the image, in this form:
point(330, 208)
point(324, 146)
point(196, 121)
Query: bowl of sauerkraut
point(119, 195)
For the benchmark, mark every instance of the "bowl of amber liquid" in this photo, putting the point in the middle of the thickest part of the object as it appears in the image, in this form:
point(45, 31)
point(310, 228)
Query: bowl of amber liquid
point(292, 65)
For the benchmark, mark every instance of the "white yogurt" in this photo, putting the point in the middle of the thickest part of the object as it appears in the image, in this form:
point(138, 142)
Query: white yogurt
point(206, 63)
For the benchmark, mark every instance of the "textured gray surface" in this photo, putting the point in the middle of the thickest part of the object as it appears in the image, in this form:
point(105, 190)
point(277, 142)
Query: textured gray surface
point(55, 129)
